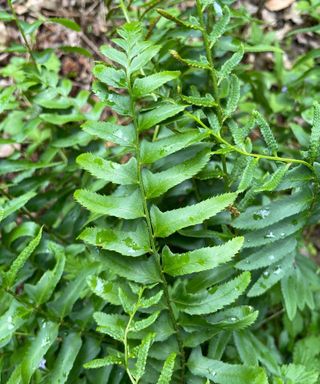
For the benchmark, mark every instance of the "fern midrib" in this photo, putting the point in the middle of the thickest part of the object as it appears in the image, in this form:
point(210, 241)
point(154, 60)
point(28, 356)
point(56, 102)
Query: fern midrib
point(154, 252)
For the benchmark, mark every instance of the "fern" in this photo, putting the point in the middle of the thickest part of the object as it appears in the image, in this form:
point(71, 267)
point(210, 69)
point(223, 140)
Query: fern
point(133, 201)
point(156, 230)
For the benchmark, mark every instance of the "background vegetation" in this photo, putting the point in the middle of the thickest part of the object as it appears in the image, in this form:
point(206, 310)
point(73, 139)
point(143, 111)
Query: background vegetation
point(159, 208)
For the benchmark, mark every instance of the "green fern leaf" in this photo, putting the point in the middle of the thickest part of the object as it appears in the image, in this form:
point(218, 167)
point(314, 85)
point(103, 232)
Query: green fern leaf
point(143, 355)
point(149, 119)
point(140, 271)
point(105, 361)
point(137, 326)
point(200, 259)
point(315, 134)
point(230, 64)
point(214, 299)
point(113, 325)
point(233, 96)
point(123, 174)
point(130, 243)
point(63, 303)
point(220, 26)
point(275, 179)
point(190, 63)
point(167, 370)
point(234, 318)
point(69, 350)
point(289, 293)
point(248, 174)
point(110, 76)
point(15, 204)
point(166, 223)
point(44, 339)
point(149, 302)
point(268, 255)
point(145, 85)
point(114, 55)
point(118, 134)
point(183, 23)
point(262, 216)
point(43, 290)
point(156, 184)
point(275, 232)
point(207, 102)
point(266, 132)
point(126, 207)
point(107, 290)
point(143, 58)
point(156, 150)
point(10, 276)
point(271, 276)
point(223, 373)
point(236, 133)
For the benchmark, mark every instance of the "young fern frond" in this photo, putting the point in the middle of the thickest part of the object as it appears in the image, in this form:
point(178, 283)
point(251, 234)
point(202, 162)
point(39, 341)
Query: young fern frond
point(315, 134)
point(220, 26)
point(143, 227)
point(266, 132)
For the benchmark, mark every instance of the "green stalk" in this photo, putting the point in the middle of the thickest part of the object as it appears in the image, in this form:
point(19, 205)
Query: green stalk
point(154, 252)
point(24, 37)
point(245, 153)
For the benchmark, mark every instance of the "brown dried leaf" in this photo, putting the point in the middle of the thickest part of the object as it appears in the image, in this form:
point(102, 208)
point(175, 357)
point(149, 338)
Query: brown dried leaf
point(278, 5)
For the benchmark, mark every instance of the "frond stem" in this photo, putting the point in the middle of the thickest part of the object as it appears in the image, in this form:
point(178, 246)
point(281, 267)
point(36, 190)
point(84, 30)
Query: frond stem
point(155, 252)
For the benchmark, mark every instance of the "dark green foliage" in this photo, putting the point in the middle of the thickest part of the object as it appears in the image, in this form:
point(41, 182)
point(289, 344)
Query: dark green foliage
point(162, 228)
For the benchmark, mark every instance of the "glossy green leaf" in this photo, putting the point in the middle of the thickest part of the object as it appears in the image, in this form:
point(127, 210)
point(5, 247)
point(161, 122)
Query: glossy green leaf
point(145, 85)
point(262, 216)
point(202, 259)
point(149, 119)
point(206, 102)
point(268, 255)
point(121, 135)
point(156, 184)
point(166, 223)
point(123, 174)
point(65, 359)
point(110, 76)
point(112, 325)
point(128, 243)
point(15, 204)
point(42, 291)
point(140, 271)
point(223, 373)
point(216, 298)
point(63, 304)
point(38, 348)
point(126, 207)
point(156, 150)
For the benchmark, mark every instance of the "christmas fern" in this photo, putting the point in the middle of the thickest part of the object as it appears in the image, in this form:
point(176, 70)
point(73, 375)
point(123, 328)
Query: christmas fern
point(161, 228)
